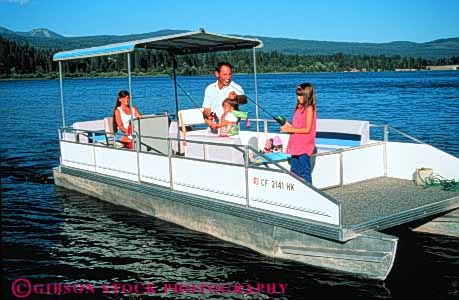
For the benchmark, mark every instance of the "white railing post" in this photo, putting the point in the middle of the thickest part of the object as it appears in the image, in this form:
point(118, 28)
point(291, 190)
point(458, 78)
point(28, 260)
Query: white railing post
point(386, 139)
point(94, 156)
point(246, 167)
point(138, 154)
point(169, 155)
point(386, 133)
point(341, 170)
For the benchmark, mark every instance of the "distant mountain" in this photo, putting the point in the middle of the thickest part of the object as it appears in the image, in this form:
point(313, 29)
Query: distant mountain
point(5, 31)
point(61, 42)
point(35, 33)
point(441, 48)
point(43, 33)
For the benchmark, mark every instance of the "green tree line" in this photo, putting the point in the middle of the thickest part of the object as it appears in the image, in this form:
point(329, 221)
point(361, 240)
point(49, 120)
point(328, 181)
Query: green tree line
point(26, 61)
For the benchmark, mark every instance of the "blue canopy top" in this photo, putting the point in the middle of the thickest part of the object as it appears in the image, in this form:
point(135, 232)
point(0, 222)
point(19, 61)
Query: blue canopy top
point(177, 44)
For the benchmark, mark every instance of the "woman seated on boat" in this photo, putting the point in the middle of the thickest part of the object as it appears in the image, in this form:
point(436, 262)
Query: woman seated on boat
point(122, 118)
point(229, 121)
point(302, 131)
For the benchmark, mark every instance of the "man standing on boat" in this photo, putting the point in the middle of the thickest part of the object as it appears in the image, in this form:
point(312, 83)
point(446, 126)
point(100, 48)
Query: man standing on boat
point(218, 91)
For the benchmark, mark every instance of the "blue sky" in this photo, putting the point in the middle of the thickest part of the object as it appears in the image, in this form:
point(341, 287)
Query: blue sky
point(334, 20)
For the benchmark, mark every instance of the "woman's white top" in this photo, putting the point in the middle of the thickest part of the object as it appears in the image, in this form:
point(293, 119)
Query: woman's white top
point(125, 118)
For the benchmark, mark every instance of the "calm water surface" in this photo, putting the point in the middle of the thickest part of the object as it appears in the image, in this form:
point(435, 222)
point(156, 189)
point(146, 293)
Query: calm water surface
point(52, 235)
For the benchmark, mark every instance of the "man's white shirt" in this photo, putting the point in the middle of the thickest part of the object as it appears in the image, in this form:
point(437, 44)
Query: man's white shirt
point(214, 97)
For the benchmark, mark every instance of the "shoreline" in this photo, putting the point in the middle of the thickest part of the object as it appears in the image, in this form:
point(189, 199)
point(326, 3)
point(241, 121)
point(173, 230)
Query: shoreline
point(268, 73)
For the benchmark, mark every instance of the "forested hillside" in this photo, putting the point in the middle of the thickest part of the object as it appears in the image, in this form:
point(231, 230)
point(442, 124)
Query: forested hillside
point(21, 56)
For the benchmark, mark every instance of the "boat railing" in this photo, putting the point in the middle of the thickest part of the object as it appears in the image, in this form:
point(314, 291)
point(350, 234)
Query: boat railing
point(76, 134)
point(386, 130)
point(265, 122)
point(245, 166)
point(246, 152)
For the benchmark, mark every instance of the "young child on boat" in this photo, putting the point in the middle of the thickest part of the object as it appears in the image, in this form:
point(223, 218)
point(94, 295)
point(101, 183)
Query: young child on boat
point(302, 131)
point(228, 125)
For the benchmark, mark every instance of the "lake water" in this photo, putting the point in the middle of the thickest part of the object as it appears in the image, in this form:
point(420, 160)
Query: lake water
point(52, 235)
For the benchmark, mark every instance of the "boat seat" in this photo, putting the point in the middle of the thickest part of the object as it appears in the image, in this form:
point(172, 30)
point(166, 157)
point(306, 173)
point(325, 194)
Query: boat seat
point(343, 132)
point(189, 117)
point(151, 132)
point(108, 137)
point(82, 129)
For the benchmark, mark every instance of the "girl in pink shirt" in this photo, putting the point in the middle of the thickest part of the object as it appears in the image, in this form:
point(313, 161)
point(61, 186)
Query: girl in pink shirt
point(302, 131)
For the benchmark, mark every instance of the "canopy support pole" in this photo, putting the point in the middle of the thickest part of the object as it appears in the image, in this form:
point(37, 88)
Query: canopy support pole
point(61, 84)
point(131, 105)
point(130, 86)
point(174, 76)
point(256, 88)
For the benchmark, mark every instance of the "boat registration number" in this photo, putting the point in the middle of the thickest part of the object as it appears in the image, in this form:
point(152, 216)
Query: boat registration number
point(275, 184)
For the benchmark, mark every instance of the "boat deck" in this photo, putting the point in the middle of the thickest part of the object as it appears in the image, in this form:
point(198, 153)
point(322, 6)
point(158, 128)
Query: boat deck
point(387, 200)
